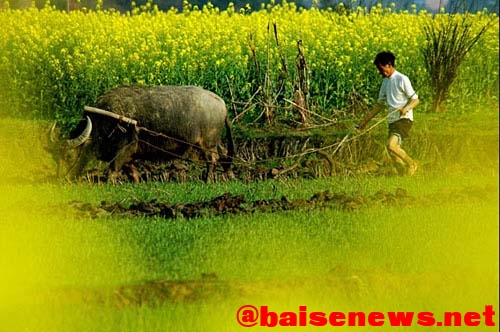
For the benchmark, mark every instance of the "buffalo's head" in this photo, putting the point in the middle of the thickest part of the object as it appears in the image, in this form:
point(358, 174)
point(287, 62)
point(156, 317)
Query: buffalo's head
point(65, 151)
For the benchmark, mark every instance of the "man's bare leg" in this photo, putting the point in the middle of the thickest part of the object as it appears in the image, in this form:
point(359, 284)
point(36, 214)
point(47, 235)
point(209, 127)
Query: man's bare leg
point(400, 156)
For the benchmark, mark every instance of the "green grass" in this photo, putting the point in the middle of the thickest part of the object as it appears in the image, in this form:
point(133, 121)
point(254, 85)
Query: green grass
point(442, 256)
point(438, 254)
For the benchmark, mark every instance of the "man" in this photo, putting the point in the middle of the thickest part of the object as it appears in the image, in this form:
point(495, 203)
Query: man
point(397, 95)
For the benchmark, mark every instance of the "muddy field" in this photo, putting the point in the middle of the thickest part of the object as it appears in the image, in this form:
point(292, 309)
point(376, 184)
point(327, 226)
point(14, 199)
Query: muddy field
point(310, 155)
point(232, 204)
point(294, 155)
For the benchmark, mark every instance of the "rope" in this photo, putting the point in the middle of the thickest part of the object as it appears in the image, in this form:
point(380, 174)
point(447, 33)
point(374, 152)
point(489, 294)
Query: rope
point(157, 134)
point(177, 156)
point(238, 160)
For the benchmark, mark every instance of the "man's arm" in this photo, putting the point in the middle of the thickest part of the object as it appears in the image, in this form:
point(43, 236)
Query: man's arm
point(376, 109)
point(410, 105)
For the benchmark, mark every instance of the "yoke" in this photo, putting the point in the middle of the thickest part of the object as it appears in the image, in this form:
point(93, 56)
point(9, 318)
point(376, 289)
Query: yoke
point(111, 114)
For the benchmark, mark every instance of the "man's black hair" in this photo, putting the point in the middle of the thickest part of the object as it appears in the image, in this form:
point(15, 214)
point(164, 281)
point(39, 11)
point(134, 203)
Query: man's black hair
point(385, 58)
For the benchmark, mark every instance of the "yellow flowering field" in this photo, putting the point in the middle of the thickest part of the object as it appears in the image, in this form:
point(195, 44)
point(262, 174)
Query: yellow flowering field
point(53, 62)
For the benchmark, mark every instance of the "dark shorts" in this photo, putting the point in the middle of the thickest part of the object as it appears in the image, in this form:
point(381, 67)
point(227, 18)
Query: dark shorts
point(400, 128)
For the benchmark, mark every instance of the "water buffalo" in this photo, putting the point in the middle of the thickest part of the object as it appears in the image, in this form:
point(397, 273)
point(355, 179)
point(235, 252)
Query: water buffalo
point(149, 123)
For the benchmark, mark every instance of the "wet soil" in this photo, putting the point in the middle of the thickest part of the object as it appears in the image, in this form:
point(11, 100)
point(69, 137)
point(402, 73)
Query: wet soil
point(263, 158)
point(232, 204)
point(237, 204)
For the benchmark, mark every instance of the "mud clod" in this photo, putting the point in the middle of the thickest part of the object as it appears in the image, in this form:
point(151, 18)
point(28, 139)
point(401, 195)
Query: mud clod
point(237, 204)
point(234, 204)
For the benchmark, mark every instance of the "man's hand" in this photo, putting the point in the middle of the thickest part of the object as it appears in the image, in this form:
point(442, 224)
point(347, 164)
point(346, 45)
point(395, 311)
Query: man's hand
point(357, 129)
point(412, 103)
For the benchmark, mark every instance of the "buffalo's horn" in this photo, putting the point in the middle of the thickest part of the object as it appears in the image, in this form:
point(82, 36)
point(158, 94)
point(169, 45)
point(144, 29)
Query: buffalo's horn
point(83, 137)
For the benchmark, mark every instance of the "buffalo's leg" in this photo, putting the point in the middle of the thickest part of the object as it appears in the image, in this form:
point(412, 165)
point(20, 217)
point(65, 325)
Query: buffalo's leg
point(211, 157)
point(132, 172)
point(122, 157)
point(226, 162)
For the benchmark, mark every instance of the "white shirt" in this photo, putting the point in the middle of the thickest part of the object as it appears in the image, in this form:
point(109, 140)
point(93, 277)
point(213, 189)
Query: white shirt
point(396, 91)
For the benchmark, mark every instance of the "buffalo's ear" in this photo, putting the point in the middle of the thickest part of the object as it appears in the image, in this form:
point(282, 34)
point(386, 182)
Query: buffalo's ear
point(52, 134)
point(53, 139)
